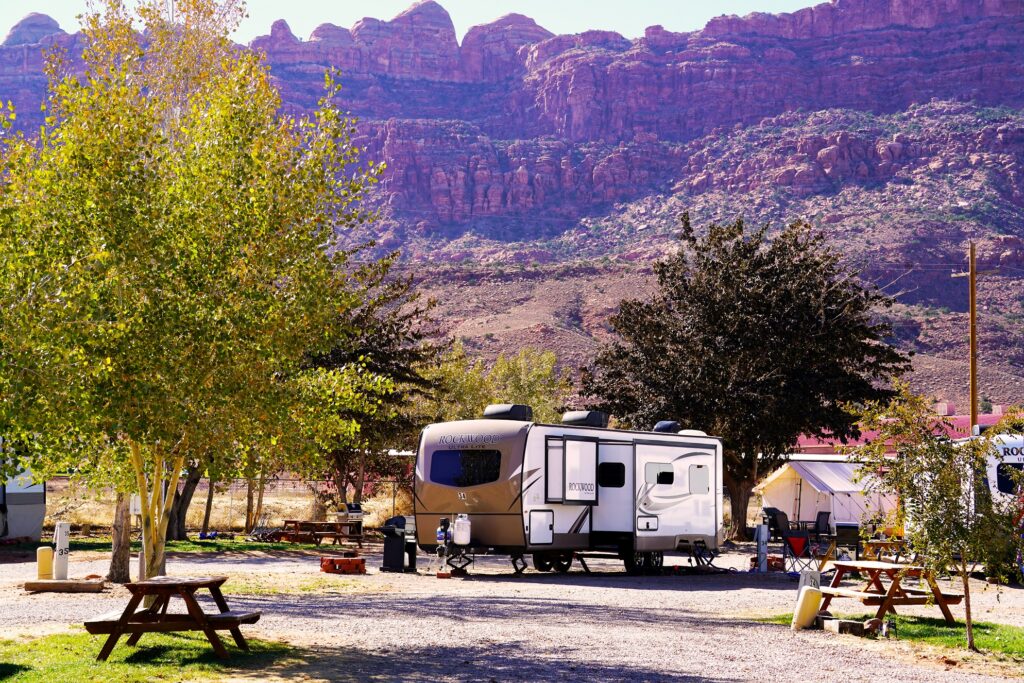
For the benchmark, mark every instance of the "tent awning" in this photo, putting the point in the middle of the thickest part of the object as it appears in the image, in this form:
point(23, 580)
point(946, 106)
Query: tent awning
point(824, 477)
point(830, 477)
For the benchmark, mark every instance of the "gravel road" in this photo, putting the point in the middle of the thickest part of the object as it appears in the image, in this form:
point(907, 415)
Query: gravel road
point(494, 626)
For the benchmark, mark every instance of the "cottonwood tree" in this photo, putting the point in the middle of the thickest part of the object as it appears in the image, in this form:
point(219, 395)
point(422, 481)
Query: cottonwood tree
point(531, 377)
point(752, 339)
point(950, 518)
point(166, 249)
point(463, 387)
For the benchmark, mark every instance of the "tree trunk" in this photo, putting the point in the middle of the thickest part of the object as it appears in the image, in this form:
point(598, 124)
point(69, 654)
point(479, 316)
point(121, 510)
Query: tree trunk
point(156, 507)
point(209, 507)
point(120, 558)
point(361, 480)
point(259, 498)
point(176, 528)
point(965, 576)
point(249, 503)
point(739, 500)
point(340, 476)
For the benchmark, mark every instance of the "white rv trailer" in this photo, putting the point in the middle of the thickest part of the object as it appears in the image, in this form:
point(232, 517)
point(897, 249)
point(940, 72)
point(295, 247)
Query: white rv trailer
point(1001, 467)
point(553, 490)
point(22, 507)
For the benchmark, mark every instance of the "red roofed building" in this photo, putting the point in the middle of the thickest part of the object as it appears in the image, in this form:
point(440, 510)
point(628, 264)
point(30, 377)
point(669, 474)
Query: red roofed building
point(960, 428)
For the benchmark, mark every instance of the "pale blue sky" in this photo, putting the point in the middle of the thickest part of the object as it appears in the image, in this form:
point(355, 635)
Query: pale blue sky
point(628, 17)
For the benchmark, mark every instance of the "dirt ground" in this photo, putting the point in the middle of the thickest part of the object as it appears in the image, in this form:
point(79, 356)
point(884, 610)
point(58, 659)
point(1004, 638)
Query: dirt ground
point(496, 626)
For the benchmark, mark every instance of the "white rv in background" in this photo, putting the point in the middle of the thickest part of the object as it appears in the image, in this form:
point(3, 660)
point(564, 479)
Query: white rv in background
point(552, 491)
point(22, 508)
point(1002, 466)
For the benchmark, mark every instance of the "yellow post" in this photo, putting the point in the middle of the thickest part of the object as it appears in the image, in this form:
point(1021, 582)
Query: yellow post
point(44, 563)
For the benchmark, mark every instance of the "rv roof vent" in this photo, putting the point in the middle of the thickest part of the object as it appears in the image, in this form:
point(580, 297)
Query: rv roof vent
point(585, 418)
point(509, 411)
point(692, 432)
point(666, 426)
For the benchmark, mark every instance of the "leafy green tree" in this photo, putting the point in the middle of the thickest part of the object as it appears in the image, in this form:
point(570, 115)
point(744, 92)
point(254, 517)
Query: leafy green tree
point(531, 377)
point(391, 336)
point(950, 518)
point(463, 387)
point(166, 244)
point(752, 339)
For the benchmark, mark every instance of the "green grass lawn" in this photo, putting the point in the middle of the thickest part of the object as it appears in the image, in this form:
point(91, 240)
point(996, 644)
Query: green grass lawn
point(999, 639)
point(158, 657)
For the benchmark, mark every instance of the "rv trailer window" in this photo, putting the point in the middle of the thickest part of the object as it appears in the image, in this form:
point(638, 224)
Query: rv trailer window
point(465, 468)
point(700, 479)
point(611, 475)
point(1006, 478)
point(659, 473)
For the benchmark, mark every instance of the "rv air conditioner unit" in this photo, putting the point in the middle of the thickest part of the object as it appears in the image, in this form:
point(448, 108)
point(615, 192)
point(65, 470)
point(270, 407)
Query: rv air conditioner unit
point(586, 418)
point(509, 411)
point(670, 426)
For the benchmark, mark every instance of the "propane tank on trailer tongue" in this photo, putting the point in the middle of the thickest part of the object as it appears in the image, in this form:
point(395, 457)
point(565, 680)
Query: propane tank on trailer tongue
point(462, 528)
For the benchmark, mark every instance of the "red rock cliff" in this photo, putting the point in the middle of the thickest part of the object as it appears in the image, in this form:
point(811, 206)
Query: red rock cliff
point(518, 123)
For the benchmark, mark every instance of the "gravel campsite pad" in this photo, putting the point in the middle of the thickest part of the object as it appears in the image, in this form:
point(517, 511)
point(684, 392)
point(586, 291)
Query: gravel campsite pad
point(493, 625)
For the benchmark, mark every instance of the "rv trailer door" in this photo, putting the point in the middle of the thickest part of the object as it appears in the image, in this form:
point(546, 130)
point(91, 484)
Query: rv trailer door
point(615, 488)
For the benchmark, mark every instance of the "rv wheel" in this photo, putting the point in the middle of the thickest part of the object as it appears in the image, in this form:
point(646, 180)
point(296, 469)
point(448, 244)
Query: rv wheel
point(634, 562)
point(562, 563)
point(655, 561)
point(541, 562)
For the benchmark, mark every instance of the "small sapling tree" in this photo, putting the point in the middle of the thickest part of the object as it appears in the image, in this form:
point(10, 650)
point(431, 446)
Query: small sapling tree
point(951, 519)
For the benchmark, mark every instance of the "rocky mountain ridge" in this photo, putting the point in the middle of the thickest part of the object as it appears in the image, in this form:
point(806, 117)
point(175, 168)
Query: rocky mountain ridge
point(515, 123)
point(546, 164)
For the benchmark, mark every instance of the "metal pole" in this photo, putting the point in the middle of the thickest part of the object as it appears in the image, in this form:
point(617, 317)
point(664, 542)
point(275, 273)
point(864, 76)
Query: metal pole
point(974, 341)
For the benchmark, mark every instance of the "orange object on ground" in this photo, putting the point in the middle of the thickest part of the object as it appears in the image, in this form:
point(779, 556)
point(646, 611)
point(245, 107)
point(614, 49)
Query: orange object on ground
point(343, 565)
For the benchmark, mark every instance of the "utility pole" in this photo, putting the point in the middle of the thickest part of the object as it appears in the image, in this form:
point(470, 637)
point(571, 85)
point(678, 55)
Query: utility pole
point(974, 340)
point(973, 274)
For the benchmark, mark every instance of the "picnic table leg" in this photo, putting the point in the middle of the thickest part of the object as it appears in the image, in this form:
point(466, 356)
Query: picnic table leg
point(222, 605)
point(940, 600)
point(890, 595)
point(119, 627)
point(159, 606)
point(829, 554)
point(200, 618)
point(835, 584)
point(874, 581)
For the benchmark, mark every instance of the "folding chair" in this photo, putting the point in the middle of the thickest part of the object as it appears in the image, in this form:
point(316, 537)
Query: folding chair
point(848, 536)
point(821, 526)
point(796, 552)
point(778, 522)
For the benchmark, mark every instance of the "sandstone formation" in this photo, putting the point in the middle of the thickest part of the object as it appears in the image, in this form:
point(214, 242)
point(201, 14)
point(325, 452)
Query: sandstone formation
point(518, 123)
point(31, 30)
point(528, 161)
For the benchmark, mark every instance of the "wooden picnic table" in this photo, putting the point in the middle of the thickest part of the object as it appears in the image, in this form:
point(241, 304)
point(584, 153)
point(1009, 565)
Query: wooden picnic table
point(300, 531)
point(156, 618)
point(896, 594)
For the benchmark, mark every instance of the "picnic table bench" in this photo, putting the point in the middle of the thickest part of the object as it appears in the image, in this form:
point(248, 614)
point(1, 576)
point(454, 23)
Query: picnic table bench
point(303, 531)
point(895, 595)
point(156, 619)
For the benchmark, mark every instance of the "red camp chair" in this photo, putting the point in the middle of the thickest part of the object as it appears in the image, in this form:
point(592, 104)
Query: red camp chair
point(796, 552)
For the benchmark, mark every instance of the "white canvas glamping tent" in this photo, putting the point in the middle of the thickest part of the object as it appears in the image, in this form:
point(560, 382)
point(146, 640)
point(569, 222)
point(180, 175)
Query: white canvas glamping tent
point(803, 488)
